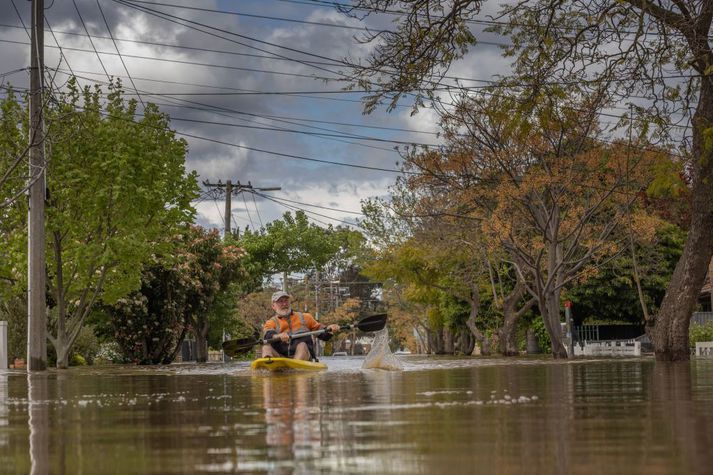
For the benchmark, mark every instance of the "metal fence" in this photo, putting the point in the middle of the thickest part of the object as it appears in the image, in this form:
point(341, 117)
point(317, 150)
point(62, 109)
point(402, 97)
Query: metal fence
point(587, 333)
point(701, 318)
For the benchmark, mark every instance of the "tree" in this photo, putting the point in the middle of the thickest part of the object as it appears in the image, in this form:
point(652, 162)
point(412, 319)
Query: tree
point(208, 266)
point(658, 44)
point(293, 244)
point(180, 293)
point(116, 187)
point(13, 211)
point(613, 284)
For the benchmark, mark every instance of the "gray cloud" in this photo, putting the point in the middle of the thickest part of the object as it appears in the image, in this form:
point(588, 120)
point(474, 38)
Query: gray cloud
point(302, 181)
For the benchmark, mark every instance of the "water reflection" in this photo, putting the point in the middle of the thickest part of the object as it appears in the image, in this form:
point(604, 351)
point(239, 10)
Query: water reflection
point(292, 419)
point(38, 420)
point(4, 411)
point(683, 424)
point(632, 416)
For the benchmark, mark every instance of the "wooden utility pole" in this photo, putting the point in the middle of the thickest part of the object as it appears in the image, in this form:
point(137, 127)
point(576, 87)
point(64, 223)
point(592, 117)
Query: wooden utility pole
point(228, 206)
point(36, 313)
point(229, 189)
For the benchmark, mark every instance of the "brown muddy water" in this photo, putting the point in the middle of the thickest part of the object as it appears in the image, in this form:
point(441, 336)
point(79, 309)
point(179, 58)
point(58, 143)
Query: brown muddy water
point(439, 415)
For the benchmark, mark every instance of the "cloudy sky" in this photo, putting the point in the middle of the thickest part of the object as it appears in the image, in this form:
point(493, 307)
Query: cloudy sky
point(245, 82)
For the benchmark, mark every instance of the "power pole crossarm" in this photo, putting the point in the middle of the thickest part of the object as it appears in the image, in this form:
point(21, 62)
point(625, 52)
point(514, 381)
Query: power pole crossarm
point(230, 189)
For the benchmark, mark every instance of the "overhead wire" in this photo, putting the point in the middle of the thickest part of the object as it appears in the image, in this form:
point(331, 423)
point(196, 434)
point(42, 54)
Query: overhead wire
point(257, 210)
point(90, 39)
point(189, 23)
point(346, 6)
point(101, 10)
point(220, 111)
point(310, 205)
point(251, 15)
point(312, 212)
point(247, 210)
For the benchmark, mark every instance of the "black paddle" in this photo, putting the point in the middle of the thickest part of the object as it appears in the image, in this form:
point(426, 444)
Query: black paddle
point(372, 323)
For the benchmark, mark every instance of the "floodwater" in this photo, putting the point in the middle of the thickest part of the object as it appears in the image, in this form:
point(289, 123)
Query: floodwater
point(439, 415)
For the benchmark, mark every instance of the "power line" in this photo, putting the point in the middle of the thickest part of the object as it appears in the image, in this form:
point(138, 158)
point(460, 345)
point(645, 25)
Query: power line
point(250, 15)
point(278, 118)
point(346, 6)
point(190, 48)
point(256, 209)
point(312, 205)
point(305, 132)
point(101, 10)
point(180, 61)
point(90, 39)
point(247, 210)
point(217, 110)
point(313, 212)
point(174, 18)
point(488, 84)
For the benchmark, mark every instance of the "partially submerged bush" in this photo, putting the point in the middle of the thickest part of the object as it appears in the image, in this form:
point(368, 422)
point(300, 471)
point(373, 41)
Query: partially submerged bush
point(698, 333)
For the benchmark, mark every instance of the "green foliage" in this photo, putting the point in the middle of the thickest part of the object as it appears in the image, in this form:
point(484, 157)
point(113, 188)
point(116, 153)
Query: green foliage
point(77, 360)
point(668, 181)
point(13, 310)
point(225, 317)
point(86, 344)
point(698, 333)
point(293, 244)
point(611, 294)
point(177, 295)
point(543, 338)
point(13, 205)
point(117, 185)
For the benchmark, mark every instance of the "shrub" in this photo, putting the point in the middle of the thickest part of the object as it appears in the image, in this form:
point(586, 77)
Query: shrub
point(698, 333)
point(77, 360)
point(543, 338)
point(86, 344)
point(109, 353)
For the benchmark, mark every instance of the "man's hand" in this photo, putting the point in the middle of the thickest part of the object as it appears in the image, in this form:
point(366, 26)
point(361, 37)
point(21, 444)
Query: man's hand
point(333, 328)
point(284, 336)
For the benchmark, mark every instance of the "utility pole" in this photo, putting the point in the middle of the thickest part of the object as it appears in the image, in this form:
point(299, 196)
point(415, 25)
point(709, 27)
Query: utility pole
point(36, 301)
point(228, 206)
point(231, 190)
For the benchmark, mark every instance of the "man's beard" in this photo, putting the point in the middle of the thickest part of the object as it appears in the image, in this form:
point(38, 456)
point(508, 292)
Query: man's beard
point(285, 312)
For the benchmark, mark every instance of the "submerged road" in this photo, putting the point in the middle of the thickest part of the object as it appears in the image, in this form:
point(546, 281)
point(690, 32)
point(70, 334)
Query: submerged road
point(438, 415)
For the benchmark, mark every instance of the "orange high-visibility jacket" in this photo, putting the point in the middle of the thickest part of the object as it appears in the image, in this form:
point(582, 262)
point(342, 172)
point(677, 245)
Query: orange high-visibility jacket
point(294, 326)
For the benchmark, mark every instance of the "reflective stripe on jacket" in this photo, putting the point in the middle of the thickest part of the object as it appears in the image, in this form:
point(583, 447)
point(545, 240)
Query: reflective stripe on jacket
point(298, 323)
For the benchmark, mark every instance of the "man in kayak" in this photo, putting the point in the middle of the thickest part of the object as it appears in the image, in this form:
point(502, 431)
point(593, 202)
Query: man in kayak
point(287, 325)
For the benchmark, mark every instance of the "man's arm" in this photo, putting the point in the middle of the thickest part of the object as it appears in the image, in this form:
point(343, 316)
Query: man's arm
point(313, 325)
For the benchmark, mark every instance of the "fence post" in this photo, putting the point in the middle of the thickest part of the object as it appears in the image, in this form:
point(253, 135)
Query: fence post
point(3, 345)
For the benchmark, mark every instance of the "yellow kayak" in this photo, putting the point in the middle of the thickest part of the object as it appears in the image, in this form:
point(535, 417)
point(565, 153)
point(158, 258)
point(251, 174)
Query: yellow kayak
point(281, 364)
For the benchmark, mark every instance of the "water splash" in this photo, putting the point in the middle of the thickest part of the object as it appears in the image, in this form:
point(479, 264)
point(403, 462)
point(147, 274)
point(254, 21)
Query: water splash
point(380, 356)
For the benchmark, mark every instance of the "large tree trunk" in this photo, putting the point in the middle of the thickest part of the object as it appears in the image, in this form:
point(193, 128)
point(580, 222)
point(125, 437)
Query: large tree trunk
point(670, 326)
point(435, 341)
point(62, 350)
point(448, 343)
point(465, 342)
point(551, 318)
point(479, 336)
point(508, 340)
point(202, 343)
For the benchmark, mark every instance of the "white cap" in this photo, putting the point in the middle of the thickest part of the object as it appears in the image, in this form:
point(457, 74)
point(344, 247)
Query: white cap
point(278, 295)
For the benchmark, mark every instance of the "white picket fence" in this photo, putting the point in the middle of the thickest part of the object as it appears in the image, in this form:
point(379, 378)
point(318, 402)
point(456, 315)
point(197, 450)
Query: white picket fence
point(704, 348)
point(608, 348)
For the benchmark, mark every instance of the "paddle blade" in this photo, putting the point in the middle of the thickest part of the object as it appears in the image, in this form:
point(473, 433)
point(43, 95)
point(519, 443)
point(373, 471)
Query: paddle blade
point(372, 323)
point(239, 346)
